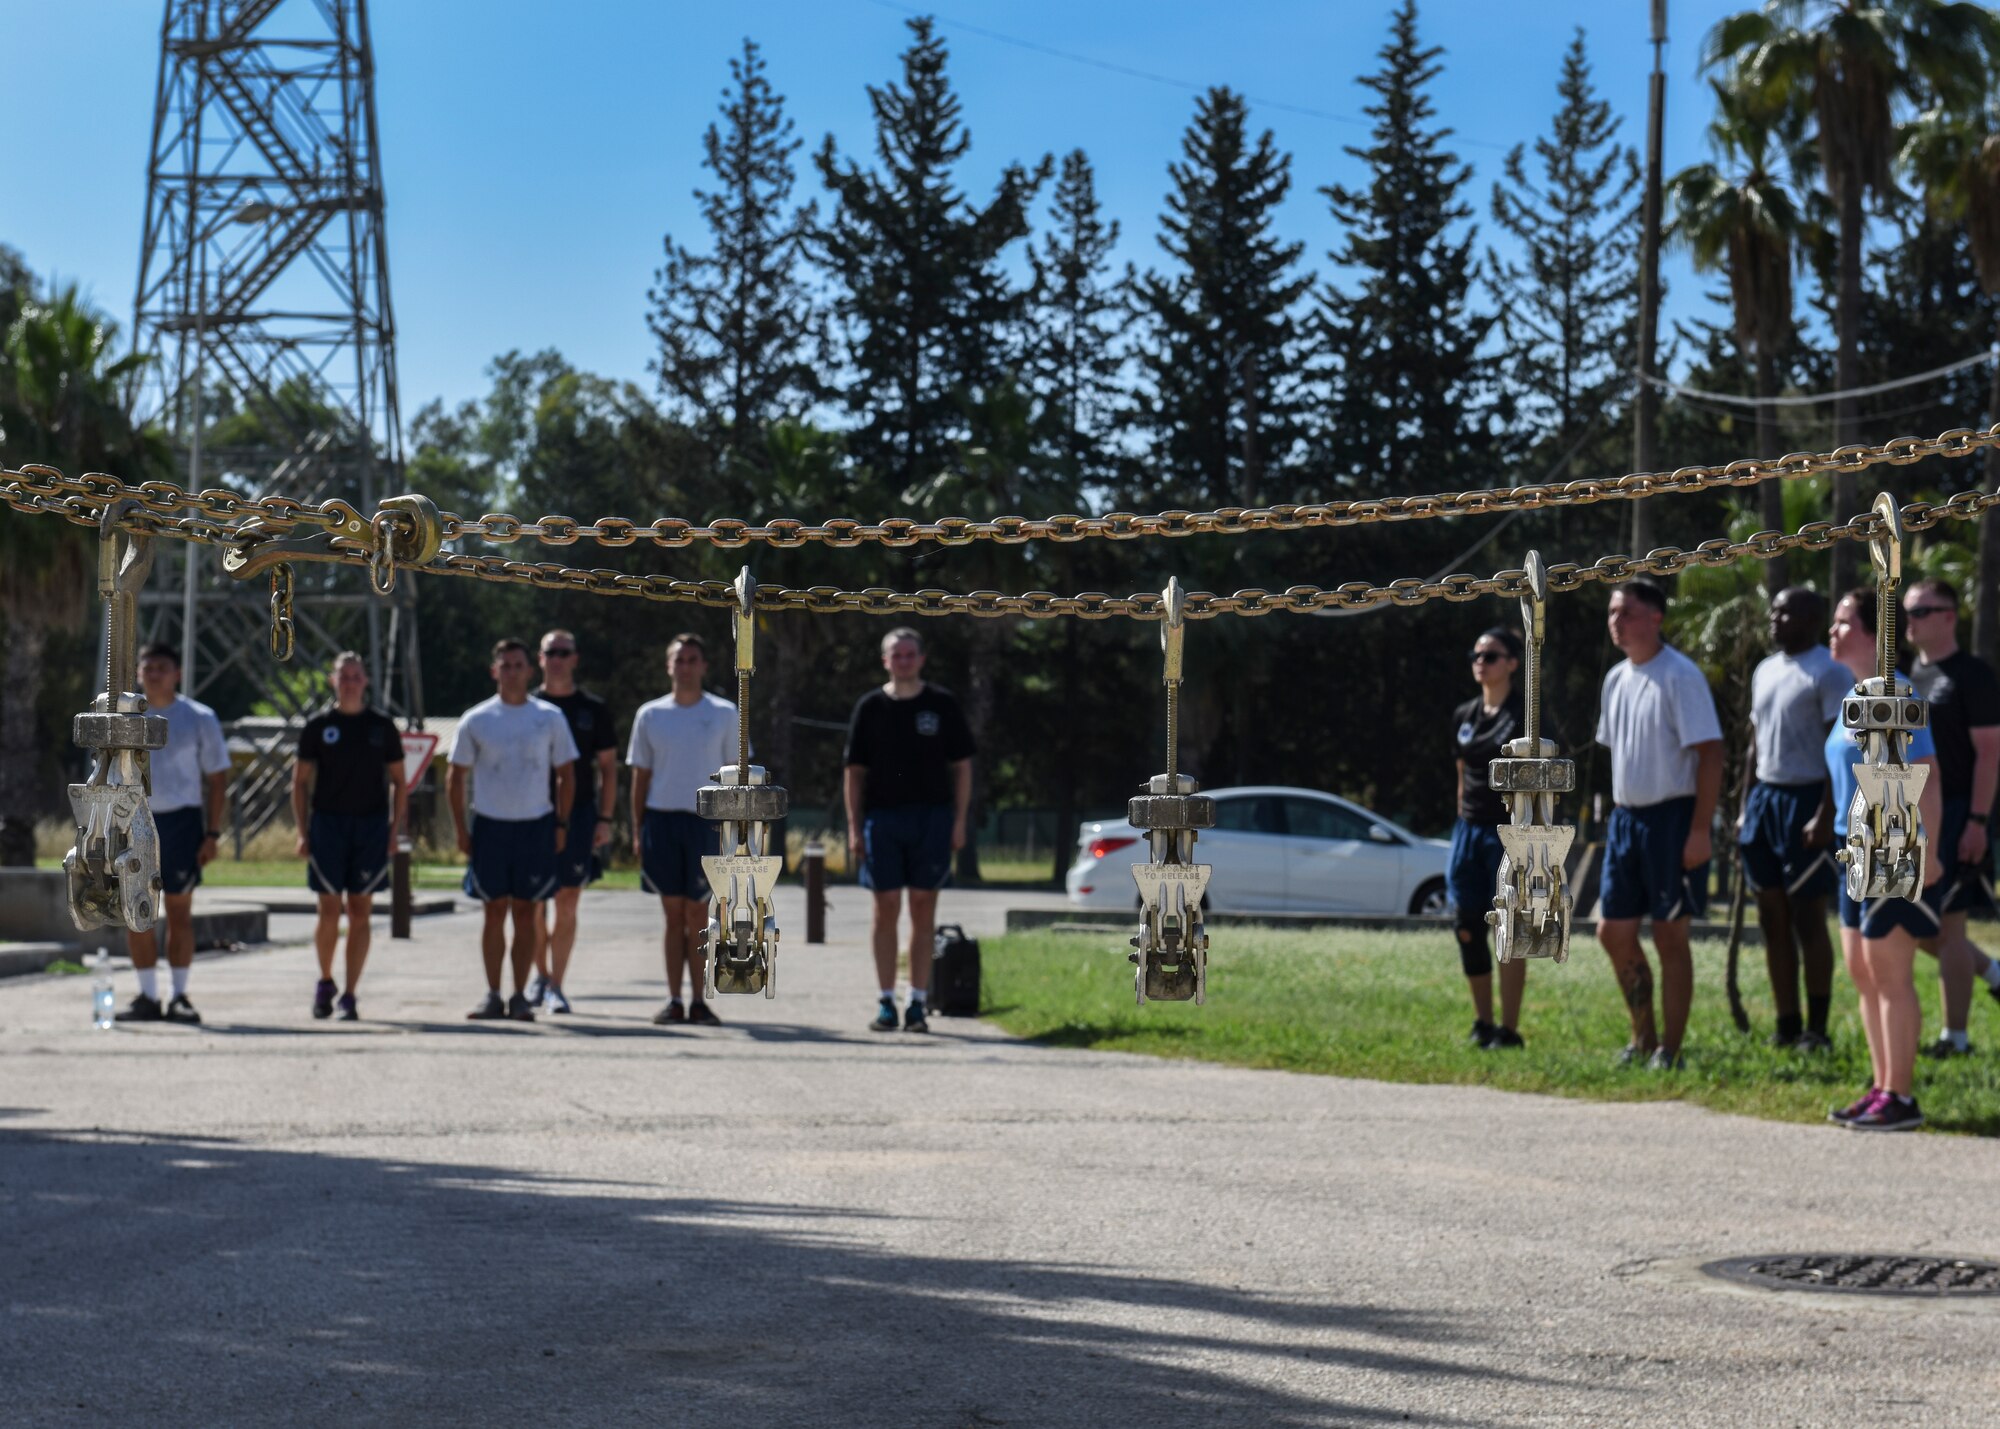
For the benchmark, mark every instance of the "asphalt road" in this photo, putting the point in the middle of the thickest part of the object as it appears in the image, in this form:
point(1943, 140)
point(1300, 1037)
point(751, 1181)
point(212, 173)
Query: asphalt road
point(792, 1221)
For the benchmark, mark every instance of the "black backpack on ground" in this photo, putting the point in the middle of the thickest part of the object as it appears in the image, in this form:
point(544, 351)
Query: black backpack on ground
point(955, 973)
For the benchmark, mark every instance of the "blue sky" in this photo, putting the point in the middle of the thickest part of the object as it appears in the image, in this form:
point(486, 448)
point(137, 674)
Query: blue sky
point(534, 153)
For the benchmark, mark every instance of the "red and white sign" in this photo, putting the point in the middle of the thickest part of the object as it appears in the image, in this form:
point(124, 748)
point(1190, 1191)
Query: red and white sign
point(418, 747)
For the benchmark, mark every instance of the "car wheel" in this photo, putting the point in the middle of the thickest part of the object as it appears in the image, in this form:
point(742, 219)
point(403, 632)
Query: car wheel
point(1430, 900)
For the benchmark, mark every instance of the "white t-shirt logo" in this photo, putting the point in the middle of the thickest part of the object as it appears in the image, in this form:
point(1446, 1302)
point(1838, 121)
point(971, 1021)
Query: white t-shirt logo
point(927, 722)
point(332, 735)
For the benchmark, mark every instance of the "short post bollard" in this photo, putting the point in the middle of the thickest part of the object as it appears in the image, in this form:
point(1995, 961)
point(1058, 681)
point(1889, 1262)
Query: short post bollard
point(814, 867)
point(400, 903)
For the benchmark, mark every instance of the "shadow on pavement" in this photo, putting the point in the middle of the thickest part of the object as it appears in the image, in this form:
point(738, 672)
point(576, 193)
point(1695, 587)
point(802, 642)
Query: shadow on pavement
point(178, 1280)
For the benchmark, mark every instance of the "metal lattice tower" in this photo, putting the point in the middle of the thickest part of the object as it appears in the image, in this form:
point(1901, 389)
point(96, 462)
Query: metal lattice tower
point(263, 302)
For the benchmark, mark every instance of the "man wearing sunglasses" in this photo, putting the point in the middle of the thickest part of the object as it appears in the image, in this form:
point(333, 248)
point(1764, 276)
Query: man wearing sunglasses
point(581, 859)
point(1964, 699)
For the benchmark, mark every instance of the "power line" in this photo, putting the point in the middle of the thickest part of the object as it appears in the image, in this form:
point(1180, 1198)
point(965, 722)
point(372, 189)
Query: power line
point(1814, 399)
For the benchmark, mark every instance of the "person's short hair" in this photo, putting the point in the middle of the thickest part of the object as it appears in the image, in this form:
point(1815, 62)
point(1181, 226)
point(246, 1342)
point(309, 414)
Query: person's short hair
point(902, 632)
point(688, 637)
point(548, 635)
point(508, 642)
point(1801, 593)
point(1509, 638)
point(1864, 598)
point(160, 650)
point(1645, 592)
point(1938, 586)
point(347, 657)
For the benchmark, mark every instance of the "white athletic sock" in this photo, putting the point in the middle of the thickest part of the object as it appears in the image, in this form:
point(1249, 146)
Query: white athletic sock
point(888, 994)
point(149, 982)
point(180, 976)
point(1958, 1038)
point(1992, 973)
point(916, 997)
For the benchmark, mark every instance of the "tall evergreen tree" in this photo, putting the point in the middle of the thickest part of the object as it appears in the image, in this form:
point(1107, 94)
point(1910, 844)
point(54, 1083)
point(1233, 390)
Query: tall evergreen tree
point(739, 333)
point(1075, 318)
point(929, 317)
point(1220, 399)
point(1408, 406)
point(1568, 306)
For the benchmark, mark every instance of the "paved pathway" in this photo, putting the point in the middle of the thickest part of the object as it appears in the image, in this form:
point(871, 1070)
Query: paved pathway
point(791, 1221)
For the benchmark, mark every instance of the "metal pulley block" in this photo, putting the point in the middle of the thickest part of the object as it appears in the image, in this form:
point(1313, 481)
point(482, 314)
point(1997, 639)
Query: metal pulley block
point(113, 870)
point(1883, 856)
point(740, 944)
point(1531, 903)
point(1171, 946)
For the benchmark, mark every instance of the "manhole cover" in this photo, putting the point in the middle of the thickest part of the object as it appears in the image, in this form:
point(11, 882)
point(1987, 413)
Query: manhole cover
point(1862, 1274)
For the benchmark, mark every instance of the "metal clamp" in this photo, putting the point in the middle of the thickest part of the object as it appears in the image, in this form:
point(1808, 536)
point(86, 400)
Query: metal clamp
point(740, 944)
point(113, 871)
point(1171, 946)
point(1531, 902)
point(1885, 851)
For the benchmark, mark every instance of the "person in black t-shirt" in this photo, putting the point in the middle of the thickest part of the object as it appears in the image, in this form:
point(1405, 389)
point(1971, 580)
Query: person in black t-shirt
point(581, 859)
point(1481, 728)
point(349, 801)
point(908, 782)
point(1964, 699)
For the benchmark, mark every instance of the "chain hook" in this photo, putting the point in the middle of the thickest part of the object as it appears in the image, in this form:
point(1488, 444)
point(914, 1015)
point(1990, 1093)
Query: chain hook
point(1885, 547)
point(283, 636)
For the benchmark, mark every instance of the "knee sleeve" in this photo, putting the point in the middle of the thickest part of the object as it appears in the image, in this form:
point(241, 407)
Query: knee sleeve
point(1474, 954)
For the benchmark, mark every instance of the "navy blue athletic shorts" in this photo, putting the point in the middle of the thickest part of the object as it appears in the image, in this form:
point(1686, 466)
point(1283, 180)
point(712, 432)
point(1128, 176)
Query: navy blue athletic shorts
point(512, 858)
point(1472, 875)
point(181, 833)
point(1773, 841)
point(578, 863)
point(1964, 888)
point(907, 847)
point(347, 853)
point(1877, 917)
point(1643, 877)
point(672, 844)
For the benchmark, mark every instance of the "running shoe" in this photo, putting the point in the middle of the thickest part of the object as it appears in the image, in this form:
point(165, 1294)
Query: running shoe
point(700, 1015)
point(492, 1009)
point(181, 1010)
point(885, 1017)
point(537, 990)
point(1503, 1039)
point(1482, 1033)
point(671, 1013)
point(1944, 1049)
point(142, 1009)
point(1890, 1113)
point(348, 1011)
point(553, 999)
point(323, 993)
point(1810, 1042)
point(518, 1009)
point(914, 1019)
point(1664, 1061)
point(1631, 1055)
point(1840, 1116)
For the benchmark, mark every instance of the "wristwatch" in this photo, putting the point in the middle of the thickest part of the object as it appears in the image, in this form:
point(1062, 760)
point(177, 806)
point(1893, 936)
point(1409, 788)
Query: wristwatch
point(215, 833)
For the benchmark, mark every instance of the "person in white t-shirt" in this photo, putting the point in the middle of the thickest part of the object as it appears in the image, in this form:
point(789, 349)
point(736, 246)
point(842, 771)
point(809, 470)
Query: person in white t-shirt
point(678, 743)
point(190, 778)
point(522, 762)
point(1658, 720)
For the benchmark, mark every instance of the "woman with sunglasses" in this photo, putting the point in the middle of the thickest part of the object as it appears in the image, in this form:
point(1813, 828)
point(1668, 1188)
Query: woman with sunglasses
point(1878, 936)
point(1482, 726)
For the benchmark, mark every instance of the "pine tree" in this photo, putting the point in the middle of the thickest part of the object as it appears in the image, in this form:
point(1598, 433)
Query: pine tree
point(1075, 319)
point(929, 317)
point(1220, 400)
point(738, 331)
point(1408, 407)
point(1568, 307)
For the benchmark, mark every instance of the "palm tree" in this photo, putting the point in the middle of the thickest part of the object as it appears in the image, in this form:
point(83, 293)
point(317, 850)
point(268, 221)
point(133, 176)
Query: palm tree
point(59, 403)
point(1955, 159)
point(1745, 223)
point(1849, 65)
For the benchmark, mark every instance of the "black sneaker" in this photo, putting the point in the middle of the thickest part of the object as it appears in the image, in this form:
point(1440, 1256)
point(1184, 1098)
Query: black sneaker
point(1482, 1033)
point(673, 1012)
point(885, 1017)
point(348, 1011)
point(1631, 1055)
point(1664, 1061)
point(553, 999)
point(538, 987)
point(142, 1009)
point(700, 1015)
point(518, 1009)
point(1502, 1039)
point(1944, 1049)
point(492, 1009)
point(1811, 1042)
point(1889, 1113)
point(914, 1019)
point(323, 999)
point(181, 1010)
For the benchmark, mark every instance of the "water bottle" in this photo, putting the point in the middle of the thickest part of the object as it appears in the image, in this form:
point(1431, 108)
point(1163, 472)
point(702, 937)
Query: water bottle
point(100, 989)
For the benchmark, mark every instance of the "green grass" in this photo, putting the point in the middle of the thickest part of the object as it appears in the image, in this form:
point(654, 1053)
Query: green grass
point(1394, 1007)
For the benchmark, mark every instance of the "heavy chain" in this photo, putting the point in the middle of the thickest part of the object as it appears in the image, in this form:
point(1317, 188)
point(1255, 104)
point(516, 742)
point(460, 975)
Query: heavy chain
point(82, 498)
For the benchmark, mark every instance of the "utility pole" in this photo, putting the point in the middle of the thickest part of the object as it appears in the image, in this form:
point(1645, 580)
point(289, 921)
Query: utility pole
point(1646, 400)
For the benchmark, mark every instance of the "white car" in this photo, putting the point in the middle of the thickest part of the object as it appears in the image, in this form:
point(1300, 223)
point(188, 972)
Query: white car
point(1278, 850)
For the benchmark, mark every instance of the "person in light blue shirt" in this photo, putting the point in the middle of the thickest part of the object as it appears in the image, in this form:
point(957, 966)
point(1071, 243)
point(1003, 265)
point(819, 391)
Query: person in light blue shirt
point(1879, 935)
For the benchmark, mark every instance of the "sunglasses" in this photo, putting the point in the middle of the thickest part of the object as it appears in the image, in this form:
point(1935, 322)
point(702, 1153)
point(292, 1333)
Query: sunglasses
point(1918, 612)
point(1486, 657)
point(558, 653)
